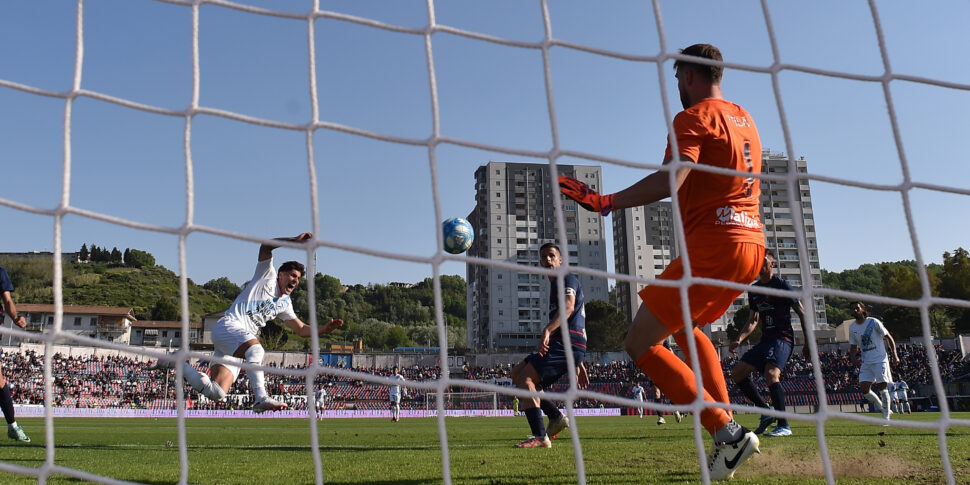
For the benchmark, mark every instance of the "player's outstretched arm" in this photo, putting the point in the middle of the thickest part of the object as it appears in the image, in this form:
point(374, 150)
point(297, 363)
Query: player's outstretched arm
point(266, 250)
point(303, 330)
point(587, 198)
point(649, 189)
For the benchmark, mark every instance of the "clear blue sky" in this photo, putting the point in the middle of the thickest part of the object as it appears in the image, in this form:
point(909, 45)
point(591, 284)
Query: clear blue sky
point(130, 164)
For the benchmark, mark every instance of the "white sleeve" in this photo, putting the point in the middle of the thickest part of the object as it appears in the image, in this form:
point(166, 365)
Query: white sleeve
point(853, 338)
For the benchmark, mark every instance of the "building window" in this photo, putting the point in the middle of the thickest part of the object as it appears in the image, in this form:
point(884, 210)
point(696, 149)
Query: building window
point(94, 321)
point(164, 333)
point(77, 321)
point(500, 241)
point(178, 333)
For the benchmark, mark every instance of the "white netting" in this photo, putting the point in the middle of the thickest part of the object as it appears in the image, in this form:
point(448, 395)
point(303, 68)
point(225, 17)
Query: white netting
point(432, 142)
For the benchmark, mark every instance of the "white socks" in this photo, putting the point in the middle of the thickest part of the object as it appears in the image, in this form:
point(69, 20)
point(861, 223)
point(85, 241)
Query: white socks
point(254, 355)
point(874, 399)
point(201, 382)
point(886, 400)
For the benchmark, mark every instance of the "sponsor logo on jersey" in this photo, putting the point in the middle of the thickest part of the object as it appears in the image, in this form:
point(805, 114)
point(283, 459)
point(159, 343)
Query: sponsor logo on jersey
point(728, 216)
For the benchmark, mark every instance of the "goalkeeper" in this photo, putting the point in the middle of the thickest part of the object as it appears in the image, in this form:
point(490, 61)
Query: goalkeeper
point(724, 241)
point(234, 336)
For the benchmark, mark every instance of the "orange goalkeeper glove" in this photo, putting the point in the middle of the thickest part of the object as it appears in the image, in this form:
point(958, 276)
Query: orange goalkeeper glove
point(585, 196)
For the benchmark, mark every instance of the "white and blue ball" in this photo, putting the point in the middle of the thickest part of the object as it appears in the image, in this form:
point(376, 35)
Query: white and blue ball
point(458, 235)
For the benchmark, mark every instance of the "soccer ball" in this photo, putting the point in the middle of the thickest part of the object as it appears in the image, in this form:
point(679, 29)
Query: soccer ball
point(458, 235)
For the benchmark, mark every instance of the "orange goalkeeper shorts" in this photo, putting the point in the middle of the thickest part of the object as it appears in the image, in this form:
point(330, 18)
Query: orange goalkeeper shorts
point(737, 262)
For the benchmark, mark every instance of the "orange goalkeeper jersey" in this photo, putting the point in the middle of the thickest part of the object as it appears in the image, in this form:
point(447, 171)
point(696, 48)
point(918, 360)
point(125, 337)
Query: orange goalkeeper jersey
point(718, 208)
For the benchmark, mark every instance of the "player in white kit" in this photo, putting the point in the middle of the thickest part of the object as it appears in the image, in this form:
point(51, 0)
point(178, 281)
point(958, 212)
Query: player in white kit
point(868, 335)
point(638, 395)
point(234, 336)
point(394, 393)
point(320, 396)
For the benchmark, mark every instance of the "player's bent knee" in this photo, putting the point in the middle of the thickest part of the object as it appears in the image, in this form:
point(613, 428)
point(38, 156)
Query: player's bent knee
point(255, 354)
point(214, 392)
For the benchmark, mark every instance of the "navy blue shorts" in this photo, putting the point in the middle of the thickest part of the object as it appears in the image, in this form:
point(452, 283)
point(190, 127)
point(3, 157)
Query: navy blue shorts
point(551, 367)
point(776, 351)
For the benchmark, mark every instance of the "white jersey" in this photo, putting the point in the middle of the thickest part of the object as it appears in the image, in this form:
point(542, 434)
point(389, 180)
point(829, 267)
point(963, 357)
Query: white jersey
point(320, 395)
point(638, 393)
point(394, 391)
point(869, 337)
point(258, 303)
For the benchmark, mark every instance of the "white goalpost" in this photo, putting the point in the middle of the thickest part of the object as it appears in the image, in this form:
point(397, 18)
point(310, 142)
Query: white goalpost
point(435, 141)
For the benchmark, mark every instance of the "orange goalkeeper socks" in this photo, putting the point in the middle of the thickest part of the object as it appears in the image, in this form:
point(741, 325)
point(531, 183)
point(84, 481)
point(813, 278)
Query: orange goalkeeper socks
point(675, 379)
point(711, 371)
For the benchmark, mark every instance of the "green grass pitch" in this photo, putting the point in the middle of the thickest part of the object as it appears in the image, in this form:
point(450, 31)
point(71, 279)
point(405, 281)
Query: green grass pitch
point(616, 450)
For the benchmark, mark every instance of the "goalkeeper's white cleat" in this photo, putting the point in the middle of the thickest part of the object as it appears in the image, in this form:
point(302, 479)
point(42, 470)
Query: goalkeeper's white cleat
point(269, 404)
point(725, 458)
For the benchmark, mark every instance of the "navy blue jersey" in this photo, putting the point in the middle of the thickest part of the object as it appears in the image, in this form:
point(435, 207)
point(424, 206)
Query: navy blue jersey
point(5, 283)
point(774, 311)
point(576, 320)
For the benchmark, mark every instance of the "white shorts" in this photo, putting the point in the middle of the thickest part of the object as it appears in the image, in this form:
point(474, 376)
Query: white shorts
point(395, 399)
point(226, 338)
point(875, 372)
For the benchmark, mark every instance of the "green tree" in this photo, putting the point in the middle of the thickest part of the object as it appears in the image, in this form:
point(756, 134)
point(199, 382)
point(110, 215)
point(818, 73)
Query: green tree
point(902, 281)
point(139, 259)
point(84, 254)
point(223, 287)
point(955, 283)
point(327, 286)
point(116, 256)
point(737, 325)
point(606, 326)
point(165, 310)
point(273, 336)
point(397, 337)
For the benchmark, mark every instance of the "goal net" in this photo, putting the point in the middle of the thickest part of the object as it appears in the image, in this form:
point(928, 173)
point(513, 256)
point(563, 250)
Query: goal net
point(202, 128)
point(464, 401)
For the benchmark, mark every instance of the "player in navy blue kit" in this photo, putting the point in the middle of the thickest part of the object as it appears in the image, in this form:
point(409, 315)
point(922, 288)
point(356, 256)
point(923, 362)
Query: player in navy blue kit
point(547, 364)
point(14, 431)
point(772, 353)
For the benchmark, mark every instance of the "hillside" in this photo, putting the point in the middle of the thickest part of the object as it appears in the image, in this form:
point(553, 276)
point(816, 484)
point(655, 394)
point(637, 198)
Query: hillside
point(382, 316)
point(153, 292)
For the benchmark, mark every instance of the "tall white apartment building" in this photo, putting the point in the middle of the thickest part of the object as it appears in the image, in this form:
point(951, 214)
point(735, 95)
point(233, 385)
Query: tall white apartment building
point(643, 245)
point(644, 241)
point(513, 216)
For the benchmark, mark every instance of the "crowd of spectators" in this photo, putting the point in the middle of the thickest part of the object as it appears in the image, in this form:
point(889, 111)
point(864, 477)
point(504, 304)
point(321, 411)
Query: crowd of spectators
point(122, 382)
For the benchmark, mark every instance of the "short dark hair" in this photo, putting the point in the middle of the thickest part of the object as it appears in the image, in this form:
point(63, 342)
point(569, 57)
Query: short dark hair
point(291, 265)
point(706, 51)
point(550, 245)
